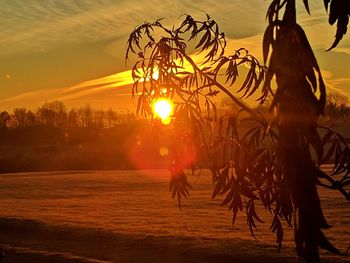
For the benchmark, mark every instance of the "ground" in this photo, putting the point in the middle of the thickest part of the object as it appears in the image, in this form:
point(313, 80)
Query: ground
point(129, 216)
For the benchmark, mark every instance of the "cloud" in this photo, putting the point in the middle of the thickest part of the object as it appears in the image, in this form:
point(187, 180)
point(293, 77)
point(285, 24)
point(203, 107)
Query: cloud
point(31, 26)
point(115, 90)
point(34, 26)
point(110, 91)
point(339, 85)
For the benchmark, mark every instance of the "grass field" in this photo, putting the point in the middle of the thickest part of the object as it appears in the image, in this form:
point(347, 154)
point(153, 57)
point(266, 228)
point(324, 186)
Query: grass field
point(129, 216)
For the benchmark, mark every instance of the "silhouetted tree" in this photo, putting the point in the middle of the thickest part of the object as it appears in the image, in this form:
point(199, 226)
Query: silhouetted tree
point(111, 117)
point(4, 118)
point(336, 106)
point(54, 113)
point(271, 162)
point(46, 116)
point(99, 118)
point(86, 115)
point(30, 118)
point(19, 117)
point(72, 118)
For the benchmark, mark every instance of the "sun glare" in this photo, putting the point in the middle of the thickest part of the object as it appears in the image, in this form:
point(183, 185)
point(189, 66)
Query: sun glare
point(163, 109)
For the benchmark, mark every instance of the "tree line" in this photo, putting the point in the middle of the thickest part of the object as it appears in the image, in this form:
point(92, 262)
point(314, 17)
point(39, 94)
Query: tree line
point(56, 114)
point(54, 137)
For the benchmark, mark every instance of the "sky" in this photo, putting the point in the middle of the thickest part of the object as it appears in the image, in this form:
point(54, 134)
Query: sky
point(73, 50)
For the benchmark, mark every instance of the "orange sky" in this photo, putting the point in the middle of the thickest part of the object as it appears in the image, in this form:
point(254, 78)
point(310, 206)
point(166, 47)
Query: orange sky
point(74, 51)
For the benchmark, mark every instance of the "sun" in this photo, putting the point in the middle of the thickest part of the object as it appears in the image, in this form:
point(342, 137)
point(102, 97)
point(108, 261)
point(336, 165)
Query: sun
point(163, 109)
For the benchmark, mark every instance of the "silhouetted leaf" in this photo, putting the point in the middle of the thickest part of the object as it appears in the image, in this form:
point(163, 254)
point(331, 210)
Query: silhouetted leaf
point(326, 137)
point(329, 153)
point(326, 2)
point(306, 4)
point(339, 10)
point(267, 40)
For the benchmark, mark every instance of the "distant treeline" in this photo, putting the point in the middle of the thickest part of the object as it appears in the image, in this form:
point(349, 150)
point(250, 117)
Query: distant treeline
point(337, 107)
point(56, 138)
point(56, 114)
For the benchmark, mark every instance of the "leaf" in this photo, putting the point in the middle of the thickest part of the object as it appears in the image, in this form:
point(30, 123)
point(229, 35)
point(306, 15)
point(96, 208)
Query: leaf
point(257, 83)
point(228, 198)
point(221, 181)
point(334, 11)
point(234, 214)
point(329, 153)
point(267, 40)
point(277, 227)
point(306, 4)
point(245, 190)
point(250, 131)
point(139, 104)
point(204, 38)
point(326, 2)
point(339, 10)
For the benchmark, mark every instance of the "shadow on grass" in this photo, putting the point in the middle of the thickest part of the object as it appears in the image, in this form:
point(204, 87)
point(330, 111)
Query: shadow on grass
point(36, 241)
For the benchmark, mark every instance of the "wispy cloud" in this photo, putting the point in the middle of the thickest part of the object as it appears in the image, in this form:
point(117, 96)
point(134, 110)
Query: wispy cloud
point(338, 85)
point(32, 26)
point(105, 92)
point(39, 25)
point(115, 90)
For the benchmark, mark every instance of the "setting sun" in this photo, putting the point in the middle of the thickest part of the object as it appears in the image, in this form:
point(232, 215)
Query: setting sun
point(163, 109)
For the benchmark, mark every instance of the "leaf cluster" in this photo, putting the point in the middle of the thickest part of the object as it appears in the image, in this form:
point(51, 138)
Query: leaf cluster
point(291, 50)
point(164, 68)
point(338, 11)
point(338, 153)
point(246, 170)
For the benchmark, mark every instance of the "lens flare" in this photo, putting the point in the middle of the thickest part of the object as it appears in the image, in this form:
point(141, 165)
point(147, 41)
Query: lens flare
point(163, 109)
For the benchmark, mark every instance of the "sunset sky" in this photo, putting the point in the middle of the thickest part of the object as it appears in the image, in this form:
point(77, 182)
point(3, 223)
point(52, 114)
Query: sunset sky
point(74, 51)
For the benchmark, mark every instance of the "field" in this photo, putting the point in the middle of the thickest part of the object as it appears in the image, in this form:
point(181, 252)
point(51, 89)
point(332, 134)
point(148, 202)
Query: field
point(129, 216)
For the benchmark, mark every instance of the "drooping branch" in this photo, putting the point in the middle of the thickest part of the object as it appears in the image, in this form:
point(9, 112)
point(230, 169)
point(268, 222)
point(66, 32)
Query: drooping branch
point(260, 163)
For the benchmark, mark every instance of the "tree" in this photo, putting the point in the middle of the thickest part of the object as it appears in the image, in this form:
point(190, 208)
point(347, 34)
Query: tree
point(4, 118)
point(19, 117)
point(111, 117)
point(85, 115)
point(271, 162)
point(336, 106)
point(72, 118)
point(30, 118)
point(100, 118)
point(54, 113)
point(46, 116)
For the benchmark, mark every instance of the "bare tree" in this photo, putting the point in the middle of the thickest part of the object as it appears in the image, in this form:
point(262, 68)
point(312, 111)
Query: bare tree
point(72, 118)
point(19, 117)
point(336, 106)
point(99, 118)
point(30, 118)
point(4, 118)
point(86, 116)
point(56, 112)
point(46, 116)
point(111, 117)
